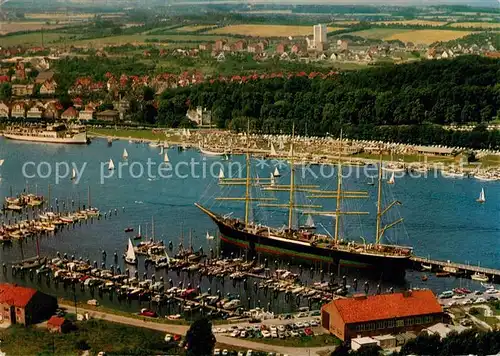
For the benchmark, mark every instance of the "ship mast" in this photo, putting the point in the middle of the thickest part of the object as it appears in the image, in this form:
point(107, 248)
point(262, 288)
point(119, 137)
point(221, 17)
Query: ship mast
point(381, 230)
point(338, 194)
point(247, 182)
point(292, 182)
point(339, 188)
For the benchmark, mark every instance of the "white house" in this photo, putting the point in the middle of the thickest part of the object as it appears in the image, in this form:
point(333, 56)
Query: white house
point(4, 110)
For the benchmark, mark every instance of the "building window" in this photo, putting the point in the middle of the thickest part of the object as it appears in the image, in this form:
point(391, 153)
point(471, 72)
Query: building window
point(390, 323)
point(400, 323)
point(428, 319)
point(418, 320)
point(381, 324)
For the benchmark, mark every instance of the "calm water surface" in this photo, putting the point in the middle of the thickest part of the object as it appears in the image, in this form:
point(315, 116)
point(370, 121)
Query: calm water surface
point(441, 217)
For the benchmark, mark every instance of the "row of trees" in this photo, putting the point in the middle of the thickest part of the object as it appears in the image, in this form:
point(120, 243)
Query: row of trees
point(405, 103)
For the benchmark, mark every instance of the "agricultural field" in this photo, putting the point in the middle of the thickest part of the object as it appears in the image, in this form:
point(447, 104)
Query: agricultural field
point(62, 16)
point(267, 30)
point(379, 33)
point(32, 39)
point(344, 23)
point(416, 22)
point(194, 28)
point(428, 36)
point(415, 36)
point(17, 26)
point(485, 25)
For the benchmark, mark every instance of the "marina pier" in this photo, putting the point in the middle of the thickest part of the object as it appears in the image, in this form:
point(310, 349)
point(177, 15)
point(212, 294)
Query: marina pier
point(454, 268)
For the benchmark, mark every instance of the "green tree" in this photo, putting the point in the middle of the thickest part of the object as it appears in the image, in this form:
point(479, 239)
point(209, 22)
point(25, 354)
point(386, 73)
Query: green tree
point(148, 94)
point(5, 91)
point(200, 339)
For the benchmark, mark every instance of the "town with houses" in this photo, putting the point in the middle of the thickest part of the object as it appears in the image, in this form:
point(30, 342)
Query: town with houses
point(34, 97)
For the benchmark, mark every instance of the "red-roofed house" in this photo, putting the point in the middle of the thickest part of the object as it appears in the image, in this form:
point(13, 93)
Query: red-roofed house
point(70, 114)
point(57, 324)
point(20, 305)
point(381, 314)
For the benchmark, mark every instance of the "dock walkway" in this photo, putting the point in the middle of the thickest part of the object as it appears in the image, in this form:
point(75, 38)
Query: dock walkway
point(460, 267)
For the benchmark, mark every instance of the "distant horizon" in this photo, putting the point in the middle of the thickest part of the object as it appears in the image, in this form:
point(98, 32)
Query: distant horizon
point(372, 3)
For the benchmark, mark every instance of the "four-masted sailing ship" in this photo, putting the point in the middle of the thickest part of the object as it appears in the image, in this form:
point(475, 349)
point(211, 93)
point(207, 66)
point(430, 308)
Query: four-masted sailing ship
point(304, 242)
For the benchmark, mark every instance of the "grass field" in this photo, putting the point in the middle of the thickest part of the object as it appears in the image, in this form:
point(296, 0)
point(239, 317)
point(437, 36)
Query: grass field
point(490, 25)
point(416, 36)
point(98, 335)
point(193, 28)
point(306, 341)
point(31, 39)
point(413, 22)
point(267, 30)
point(8, 27)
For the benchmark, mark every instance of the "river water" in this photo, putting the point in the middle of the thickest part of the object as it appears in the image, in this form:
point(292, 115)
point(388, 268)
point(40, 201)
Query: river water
point(441, 217)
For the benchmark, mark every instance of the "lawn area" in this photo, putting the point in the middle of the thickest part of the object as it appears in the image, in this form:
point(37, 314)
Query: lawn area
point(408, 35)
point(31, 39)
point(97, 334)
point(490, 160)
point(305, 341)
point(268, 30)
point(132, 133)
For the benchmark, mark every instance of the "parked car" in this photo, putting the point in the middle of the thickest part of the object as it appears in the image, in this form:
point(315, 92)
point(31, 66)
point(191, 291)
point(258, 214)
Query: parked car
point(281, 328)
point(266, 334)
point(168, 338)
point(225, 352)
point(243, 334)
point(308, 332)
point(148, 313)
point(217, 352)
point(294, 333)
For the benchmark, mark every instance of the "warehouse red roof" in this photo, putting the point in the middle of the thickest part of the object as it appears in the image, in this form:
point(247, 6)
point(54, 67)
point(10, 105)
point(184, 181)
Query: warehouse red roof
point(14, 295)
point(387, 306)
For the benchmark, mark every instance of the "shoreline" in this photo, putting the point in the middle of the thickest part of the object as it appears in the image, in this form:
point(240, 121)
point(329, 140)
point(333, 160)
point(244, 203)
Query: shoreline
point(432, 162)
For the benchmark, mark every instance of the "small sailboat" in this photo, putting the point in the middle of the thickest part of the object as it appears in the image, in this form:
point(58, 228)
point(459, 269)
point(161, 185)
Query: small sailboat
point(209, 237)
point(273, 181)
point(392, 180)
point(111, 165)
point(309, 225)
point(481, 198)
point(125, 153)
point(226, 157)
point(161, 151)
point(139, 235)
point(276, 172)
point(165, 158)
point(273, 150)
point(426, 267)
point(130, 255)
point(73, 174)
point(221, 174)
point(1, 162)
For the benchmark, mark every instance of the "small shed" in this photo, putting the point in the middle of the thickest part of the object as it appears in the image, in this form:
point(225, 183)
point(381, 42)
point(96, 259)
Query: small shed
point(57, 324)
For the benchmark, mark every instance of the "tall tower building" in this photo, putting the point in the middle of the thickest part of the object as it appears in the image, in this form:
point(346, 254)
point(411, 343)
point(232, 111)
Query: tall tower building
point(319, 34)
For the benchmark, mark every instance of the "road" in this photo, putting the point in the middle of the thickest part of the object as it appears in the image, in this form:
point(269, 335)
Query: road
point(182, 329)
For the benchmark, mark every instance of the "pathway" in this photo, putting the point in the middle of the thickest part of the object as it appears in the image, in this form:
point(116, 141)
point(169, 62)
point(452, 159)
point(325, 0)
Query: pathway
point(182, 329)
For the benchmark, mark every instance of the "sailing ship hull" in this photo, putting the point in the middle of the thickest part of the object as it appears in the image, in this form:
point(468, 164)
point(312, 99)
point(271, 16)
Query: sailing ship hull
point(391, 267)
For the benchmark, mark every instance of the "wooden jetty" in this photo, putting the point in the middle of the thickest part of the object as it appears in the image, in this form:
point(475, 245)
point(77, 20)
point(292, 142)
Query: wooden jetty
point(461, 268)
